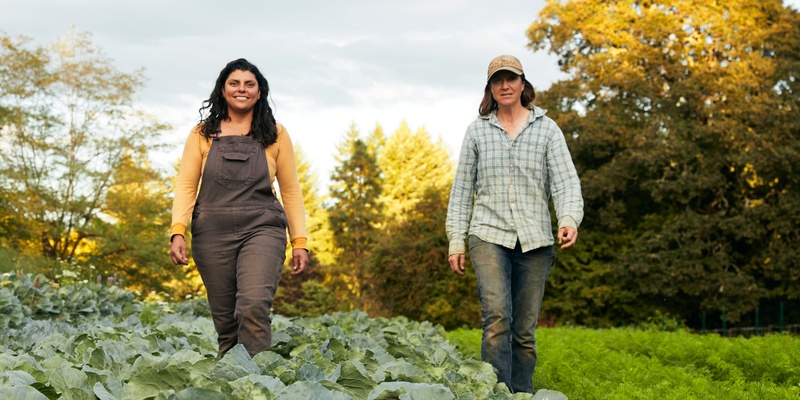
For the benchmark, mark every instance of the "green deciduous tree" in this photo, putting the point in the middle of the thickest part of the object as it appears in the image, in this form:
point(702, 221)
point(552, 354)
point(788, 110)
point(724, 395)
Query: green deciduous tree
point(70, 134)
point(681, 116)
point(130, 242)
point(23, 76)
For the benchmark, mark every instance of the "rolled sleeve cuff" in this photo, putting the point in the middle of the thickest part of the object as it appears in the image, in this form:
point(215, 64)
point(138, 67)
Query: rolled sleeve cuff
point(567, 221)
point(299, 243)
point(178, 229)
point(457, 247)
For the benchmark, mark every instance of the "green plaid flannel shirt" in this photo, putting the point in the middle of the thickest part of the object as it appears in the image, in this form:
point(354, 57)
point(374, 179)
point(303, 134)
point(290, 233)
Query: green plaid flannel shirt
point(502, 187)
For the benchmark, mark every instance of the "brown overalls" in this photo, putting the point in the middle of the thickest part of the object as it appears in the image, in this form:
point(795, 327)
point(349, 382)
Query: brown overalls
point(239, 242)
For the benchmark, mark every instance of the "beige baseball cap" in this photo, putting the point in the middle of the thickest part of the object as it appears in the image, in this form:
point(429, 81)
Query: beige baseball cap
point(504, 62)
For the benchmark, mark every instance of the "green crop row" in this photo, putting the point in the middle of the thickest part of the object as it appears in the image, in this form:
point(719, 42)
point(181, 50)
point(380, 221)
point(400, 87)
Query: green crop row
point(339, 356)
point(92, 341)
point(636, 364)
point(25, 297)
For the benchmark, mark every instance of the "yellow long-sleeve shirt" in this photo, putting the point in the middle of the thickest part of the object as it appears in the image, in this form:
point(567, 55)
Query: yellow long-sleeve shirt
point(281, 163)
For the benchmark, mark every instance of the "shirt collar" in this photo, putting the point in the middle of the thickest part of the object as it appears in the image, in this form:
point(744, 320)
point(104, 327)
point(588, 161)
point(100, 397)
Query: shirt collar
point(537, 112)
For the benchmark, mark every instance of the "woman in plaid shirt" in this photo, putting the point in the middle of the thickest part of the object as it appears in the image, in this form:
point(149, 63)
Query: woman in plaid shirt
point(513, 159)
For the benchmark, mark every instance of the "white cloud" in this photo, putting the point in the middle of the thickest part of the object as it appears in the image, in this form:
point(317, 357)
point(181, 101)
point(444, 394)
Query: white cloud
point(328, 63)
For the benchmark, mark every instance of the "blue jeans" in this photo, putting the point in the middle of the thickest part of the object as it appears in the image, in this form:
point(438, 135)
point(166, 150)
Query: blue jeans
point(510, 287)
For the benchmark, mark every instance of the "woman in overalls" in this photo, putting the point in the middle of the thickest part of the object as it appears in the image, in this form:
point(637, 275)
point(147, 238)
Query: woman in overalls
point(238, 226)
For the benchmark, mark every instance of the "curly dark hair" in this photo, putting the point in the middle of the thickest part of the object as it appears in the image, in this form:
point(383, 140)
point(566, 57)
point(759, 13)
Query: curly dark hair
point(215, 108)
point(488, 104)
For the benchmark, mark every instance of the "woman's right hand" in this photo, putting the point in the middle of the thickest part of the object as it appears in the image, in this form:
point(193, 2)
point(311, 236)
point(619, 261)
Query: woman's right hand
point(457, 262)
point(178, 251)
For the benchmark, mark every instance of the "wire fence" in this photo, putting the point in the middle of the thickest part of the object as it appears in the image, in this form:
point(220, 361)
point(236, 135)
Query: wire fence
point(665, 323)
point(757, 330)
point(793, 329)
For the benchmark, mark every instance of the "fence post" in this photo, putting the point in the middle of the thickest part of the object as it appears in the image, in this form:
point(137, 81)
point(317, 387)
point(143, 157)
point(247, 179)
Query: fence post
point(756, 321)
point(781, 317)
point(703, 323)
point(724, 324)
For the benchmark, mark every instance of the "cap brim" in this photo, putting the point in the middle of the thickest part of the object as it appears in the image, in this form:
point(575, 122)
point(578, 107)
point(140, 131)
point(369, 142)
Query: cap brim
point(512, 69)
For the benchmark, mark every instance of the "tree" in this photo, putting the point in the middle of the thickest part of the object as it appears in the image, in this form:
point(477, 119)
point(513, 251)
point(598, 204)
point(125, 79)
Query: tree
point(23, 75)
point(354, 212)
point(68, 125)
point(320, 236)
point(375, 141)
point(411, 164)
point(311, 293)
point(130, 242)
point(410, 271)
point(408, 262)
point(681, 117)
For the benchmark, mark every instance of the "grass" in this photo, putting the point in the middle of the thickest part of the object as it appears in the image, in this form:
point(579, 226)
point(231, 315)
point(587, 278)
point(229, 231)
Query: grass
point(635, 364)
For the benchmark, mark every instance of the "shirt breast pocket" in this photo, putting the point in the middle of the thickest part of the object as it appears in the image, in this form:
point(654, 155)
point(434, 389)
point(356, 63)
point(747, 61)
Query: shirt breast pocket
point(530, 157)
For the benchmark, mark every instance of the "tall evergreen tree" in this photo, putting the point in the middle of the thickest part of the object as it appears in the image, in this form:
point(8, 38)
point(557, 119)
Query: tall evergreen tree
point(354, 212)
point(375, 141)
point(409, 261)
point(411, 164)
point(320, 237)
point(311, 293)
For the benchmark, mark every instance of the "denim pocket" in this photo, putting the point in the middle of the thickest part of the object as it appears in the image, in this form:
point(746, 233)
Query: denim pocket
point(277, 210)
point(197, 225)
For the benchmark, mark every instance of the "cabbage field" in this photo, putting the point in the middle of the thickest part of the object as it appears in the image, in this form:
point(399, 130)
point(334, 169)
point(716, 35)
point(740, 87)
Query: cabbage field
point(91, 341)
point(95, 342)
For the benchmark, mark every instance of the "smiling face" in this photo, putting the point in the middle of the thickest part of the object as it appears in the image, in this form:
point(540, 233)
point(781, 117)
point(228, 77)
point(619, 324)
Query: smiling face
point(241, 91)
point(506, 88)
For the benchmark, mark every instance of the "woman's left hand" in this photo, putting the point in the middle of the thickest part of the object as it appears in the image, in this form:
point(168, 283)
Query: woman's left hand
point(299, 260)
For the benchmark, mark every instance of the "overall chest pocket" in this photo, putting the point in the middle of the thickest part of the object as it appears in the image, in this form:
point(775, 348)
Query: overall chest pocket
point(237, 166)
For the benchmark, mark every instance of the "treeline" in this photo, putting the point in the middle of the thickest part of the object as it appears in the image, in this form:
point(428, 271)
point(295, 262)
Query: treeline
point(379, 234)
point(681, 117)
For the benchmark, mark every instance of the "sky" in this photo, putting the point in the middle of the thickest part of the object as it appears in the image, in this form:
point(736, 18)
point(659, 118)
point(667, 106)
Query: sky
point(329, 64)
